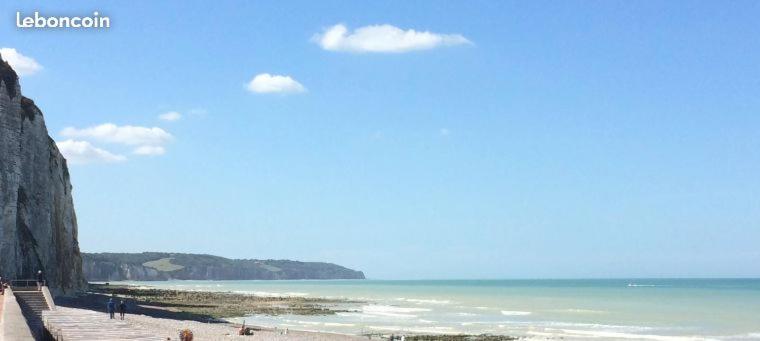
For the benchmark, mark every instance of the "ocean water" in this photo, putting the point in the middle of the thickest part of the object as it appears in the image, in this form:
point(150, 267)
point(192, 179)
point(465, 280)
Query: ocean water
point(645, 309)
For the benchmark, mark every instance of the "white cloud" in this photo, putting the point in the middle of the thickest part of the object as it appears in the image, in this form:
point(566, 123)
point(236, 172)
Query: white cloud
point(170, 116)
point(127, 135)
point(444, 132)
point(149, 150)
point(82, 152)
point(266, 83)
point(383, 38)
point(146, 140)
point(23, 65)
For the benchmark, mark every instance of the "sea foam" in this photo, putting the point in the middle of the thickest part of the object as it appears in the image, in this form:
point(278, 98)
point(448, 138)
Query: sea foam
point(620, 335)
point(423, 301)
point(391, 311)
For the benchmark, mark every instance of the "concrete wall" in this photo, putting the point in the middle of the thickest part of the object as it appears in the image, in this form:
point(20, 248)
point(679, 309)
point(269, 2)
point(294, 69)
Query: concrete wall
point(13, 326)
point(48, 298)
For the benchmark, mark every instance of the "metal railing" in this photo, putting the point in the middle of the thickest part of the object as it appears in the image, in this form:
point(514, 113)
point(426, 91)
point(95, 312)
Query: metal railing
point(25, 283)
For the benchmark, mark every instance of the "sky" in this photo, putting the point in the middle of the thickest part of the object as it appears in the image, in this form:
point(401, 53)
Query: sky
point(411, 140)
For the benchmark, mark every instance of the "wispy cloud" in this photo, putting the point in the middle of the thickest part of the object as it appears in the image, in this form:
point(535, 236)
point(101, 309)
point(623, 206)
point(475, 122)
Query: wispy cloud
point(384, 38)
point(24, 66)
point(83, 152)
point(265, 83)
point(144, 140)
point(444, 132)
point(128, 135)
point(170, 116)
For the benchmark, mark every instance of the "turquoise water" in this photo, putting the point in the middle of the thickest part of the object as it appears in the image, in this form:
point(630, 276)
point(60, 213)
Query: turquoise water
point(655, 309)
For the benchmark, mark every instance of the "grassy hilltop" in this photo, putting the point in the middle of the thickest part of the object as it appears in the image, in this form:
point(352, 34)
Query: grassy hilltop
point(156, 266)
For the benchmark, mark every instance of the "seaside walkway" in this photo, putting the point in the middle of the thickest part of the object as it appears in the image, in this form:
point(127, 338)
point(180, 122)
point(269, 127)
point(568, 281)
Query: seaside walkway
point(78, 324)
point(13, 324)
point(27, 314)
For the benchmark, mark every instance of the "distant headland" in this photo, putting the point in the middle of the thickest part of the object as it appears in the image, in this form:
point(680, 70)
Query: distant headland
point(161, 266)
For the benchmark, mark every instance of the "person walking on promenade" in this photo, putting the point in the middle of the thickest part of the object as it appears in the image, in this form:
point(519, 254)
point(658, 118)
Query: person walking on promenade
point(111, 307)
point(40, 280)
point(122, 309)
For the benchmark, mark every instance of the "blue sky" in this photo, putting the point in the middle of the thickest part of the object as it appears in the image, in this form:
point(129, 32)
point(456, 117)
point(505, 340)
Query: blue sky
point(534, 139)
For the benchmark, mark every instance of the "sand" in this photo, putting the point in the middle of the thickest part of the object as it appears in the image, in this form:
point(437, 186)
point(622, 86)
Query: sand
point(222, 331)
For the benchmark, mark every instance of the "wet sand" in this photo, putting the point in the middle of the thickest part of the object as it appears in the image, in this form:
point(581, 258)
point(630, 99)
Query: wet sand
point(164, 313)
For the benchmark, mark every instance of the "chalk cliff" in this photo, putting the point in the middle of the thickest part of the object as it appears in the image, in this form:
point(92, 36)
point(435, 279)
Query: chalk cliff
point(38, 226)
point(160, 266)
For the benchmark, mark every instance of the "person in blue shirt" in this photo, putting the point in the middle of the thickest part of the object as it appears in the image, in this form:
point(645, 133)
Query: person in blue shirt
point(122, 309)
point(111, 307)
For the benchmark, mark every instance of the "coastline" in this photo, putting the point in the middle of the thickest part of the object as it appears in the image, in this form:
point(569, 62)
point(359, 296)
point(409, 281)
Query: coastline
point(209, 315)
point(528, 309)
point(169, 328)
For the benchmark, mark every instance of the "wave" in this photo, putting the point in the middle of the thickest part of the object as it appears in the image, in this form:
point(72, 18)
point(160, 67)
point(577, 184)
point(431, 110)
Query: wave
point(620, 335)
point(515, 313)
point(309, 323)
point(557, 325)
point(391, 311)
point(271, 294)
point(642, 285)
point(416, 329)
point(582, 311)
point(423, 301)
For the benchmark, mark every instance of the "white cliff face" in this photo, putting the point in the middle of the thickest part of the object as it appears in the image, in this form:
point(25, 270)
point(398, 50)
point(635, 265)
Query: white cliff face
point(38, 226)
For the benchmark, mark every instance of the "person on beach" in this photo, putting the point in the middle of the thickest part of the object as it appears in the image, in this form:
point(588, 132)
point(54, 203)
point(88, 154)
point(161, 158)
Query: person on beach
point(122, 309)
point(242, 329)
point(40, 280)
point(111, 307)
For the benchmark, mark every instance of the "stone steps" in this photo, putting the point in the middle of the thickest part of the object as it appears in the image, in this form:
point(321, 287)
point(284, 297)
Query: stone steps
point(32, 305)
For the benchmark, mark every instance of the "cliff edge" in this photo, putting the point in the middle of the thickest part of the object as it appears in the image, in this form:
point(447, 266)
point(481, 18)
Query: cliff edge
point(38, 226)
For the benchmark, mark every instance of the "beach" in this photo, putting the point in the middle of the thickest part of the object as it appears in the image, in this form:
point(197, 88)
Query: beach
point(654, 309)
point(214, 315)
point(222, 331)
point(170, 329)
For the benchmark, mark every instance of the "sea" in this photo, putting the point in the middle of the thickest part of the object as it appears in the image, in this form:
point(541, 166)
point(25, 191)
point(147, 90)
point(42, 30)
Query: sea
point(602, 309)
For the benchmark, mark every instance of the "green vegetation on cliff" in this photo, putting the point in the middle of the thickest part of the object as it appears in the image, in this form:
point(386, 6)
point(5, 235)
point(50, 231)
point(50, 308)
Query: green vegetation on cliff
point(157, 266)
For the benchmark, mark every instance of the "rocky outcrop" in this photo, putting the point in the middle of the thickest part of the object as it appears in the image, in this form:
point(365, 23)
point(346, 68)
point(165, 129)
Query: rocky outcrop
point(38, 227)
point(159, 266)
